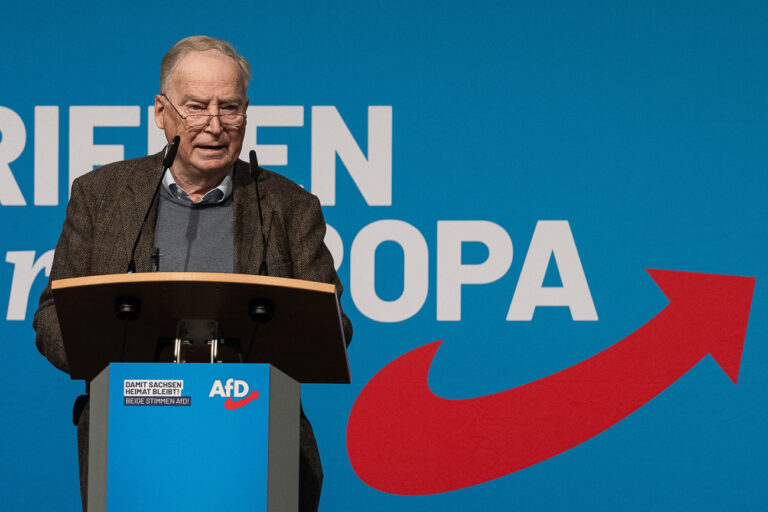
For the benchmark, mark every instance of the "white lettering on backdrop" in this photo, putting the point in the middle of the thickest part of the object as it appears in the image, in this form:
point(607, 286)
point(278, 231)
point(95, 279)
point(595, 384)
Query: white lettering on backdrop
point(372, 174)
point(25, 270)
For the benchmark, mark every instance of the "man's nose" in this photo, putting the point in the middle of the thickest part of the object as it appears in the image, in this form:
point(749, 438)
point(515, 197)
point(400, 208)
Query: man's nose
point(214, 126)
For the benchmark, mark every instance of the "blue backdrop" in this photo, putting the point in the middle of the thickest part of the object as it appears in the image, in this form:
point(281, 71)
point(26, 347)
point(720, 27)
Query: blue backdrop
point(641, 125)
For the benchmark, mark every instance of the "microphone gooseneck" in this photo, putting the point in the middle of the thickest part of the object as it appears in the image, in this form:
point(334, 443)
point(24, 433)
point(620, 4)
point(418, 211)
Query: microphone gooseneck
point(255, 172)
point(170, 155)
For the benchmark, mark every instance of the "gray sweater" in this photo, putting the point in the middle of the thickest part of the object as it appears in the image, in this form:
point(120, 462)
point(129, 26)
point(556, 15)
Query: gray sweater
point(194, 237)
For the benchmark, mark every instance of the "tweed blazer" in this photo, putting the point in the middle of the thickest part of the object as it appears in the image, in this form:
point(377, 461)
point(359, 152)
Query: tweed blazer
point(103, 217)
point(106, 209)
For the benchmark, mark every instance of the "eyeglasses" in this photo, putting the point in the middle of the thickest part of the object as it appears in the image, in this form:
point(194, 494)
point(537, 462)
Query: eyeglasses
point(227, 120)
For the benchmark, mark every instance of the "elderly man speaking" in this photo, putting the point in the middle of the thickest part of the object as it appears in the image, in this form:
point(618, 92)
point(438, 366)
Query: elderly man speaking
point(206, 216)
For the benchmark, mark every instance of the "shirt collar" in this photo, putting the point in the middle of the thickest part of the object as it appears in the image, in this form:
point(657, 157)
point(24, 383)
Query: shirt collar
point(215, 196)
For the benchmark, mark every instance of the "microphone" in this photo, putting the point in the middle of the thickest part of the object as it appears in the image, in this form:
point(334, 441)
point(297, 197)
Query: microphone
point(255, 172)
point(168, 159)
point(170, 155)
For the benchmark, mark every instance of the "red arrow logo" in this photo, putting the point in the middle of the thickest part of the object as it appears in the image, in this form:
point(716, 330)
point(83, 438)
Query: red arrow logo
point(402, 439)
point(230, 404)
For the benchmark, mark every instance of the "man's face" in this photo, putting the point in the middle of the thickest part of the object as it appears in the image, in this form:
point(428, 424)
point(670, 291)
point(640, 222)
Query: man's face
point(203, 82)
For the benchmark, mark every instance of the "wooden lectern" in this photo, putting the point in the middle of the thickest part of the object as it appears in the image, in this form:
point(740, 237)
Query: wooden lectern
point(167, 436)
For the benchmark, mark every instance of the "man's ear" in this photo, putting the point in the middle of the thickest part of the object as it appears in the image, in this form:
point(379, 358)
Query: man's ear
point(159, 110)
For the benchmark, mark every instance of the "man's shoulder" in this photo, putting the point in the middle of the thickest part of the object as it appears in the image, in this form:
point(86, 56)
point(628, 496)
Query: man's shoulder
point(280, 185)
point(272, 184)
point(116, 172)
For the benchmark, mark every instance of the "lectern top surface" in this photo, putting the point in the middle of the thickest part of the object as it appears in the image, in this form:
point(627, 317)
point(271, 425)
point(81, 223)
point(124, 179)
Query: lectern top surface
point(201, 277)
point(302, 335)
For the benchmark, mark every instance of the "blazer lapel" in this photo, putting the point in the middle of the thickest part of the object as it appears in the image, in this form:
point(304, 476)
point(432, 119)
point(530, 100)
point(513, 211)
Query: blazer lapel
point(132, 206)
point(248, 246)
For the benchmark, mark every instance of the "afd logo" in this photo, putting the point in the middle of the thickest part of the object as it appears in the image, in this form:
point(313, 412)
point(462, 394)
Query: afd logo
point(404, 439)
point(233, 388)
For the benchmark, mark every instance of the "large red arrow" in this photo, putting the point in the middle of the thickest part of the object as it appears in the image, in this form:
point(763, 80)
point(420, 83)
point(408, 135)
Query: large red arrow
point(403, 439)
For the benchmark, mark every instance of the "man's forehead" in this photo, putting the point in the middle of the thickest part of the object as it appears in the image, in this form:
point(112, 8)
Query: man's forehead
point(183, 89)
point(209, 70)
point(203, 94)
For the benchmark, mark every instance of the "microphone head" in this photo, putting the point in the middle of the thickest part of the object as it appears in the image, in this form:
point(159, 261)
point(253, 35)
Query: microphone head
point(254, 164)
point(170, 155)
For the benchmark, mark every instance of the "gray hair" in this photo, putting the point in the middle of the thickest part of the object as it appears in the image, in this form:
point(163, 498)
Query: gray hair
point(200, 44)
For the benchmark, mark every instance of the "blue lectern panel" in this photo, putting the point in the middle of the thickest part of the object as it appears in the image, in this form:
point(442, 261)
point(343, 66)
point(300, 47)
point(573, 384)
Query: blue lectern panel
point(187, 437)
